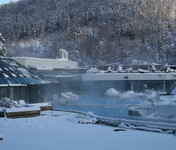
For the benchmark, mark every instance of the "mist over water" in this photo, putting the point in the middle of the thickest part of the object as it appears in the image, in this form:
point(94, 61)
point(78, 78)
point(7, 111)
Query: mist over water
point(117, 107)
point(115, 100)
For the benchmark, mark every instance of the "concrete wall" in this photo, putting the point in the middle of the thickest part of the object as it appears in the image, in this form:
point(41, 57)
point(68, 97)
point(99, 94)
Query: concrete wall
point(128, 76)
point(40, 63)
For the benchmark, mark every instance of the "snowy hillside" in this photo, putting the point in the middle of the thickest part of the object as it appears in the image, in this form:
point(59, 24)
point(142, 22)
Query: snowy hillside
point(93, 31)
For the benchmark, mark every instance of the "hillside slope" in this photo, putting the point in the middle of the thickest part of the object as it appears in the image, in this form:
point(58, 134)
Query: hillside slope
point(93, 31)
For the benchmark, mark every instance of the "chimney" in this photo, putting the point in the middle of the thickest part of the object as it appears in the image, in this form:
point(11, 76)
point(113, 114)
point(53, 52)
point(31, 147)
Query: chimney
point(63, 54)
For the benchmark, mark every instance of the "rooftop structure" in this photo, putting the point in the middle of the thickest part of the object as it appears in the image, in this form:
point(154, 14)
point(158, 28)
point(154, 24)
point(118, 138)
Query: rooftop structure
point(13, 74)
point(17, 82)
point(51, 68)
point(63, 54)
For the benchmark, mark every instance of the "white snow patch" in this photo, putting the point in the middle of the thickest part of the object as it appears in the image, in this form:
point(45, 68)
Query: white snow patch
point(9, 82)
point(109, 69)
point(132, 94)
point(129, 70)
point(164, 100)
point(143, 71)
point(6, 68)
point(126, 95)
point(120, 69)
point(39, 104)
point(63, 59)
point(14, 75)
point(21, 75)
point(21, 102)
point(22, 109)
point(112, 92)
point(70, 95)
point(5, 75)
point(12, 63)
point(11, 68)
point(92, 70)
point(43, 68)
point(80, 118)
point(24, 71)
point(152, 95)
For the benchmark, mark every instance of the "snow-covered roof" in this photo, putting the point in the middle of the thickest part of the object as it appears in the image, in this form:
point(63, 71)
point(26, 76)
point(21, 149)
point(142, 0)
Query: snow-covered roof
point(45, 63)
point(13, 74)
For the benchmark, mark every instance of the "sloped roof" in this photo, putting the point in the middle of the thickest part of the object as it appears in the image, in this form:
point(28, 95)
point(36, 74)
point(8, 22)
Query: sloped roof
point(12, 73)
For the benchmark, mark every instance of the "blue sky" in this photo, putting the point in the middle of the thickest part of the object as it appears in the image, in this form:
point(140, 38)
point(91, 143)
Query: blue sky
point(6, 1)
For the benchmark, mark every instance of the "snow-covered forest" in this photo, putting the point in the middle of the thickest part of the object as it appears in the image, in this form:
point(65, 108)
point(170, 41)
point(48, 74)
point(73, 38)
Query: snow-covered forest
point(93, 31)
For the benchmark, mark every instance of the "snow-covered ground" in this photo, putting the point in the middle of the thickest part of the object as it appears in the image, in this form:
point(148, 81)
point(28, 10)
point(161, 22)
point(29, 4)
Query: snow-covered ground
point(67, 131)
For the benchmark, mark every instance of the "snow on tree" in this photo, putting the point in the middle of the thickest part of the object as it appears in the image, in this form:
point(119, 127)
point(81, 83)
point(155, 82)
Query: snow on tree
point(2, 47)
point(93, 31)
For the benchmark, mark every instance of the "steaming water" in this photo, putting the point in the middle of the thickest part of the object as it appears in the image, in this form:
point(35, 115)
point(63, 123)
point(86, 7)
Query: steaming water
point(116, 107)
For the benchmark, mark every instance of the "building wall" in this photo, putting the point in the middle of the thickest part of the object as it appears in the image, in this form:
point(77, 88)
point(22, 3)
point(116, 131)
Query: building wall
point(41, 63)
point(31, 93)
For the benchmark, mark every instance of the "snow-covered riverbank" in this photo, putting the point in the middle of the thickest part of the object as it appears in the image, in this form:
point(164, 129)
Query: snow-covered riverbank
point(61, 130)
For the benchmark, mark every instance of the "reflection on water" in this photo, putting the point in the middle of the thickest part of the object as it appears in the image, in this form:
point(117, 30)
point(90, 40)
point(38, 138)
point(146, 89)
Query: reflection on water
point(118, 107)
